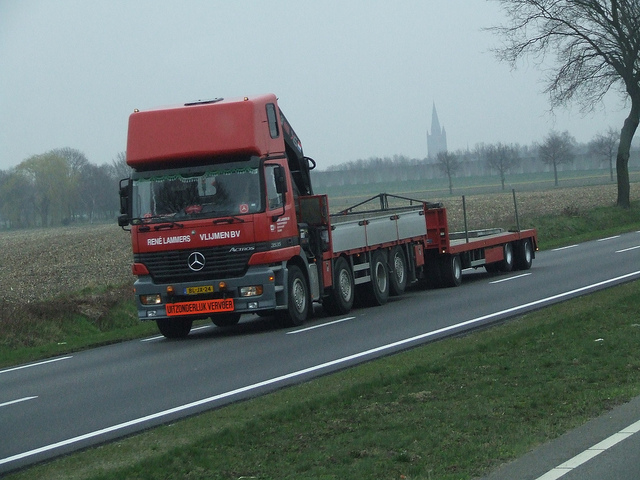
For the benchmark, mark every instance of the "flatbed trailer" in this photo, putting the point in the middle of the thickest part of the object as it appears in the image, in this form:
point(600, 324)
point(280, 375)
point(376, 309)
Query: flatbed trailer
point(377, 252)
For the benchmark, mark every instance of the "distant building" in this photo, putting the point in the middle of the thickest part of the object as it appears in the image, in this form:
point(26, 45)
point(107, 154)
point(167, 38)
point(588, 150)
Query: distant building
point(437, 139)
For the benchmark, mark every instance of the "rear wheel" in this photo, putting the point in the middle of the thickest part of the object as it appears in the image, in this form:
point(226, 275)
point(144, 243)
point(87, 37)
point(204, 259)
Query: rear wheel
point(340, 299)
point(298, 307)
point(431, 272)
point(225, 319)
point(397, 271)
point(523, 254)
point(174, 328)
point(451, 270)
point(506, 265)
point(376, 292)
point(492, 267)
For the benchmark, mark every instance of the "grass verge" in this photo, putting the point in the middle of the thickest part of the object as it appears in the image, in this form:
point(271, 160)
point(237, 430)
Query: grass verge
point(89, 318)
point(452, 410)
point(575, 225)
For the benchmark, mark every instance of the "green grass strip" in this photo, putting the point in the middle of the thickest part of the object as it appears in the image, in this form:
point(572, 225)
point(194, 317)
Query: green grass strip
point(453, 409)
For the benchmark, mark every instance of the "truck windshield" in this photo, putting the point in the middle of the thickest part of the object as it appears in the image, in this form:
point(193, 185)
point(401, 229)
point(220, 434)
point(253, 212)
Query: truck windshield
point(225, 190)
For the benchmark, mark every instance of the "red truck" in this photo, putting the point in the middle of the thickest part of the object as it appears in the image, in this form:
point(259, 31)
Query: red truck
point(224, 221)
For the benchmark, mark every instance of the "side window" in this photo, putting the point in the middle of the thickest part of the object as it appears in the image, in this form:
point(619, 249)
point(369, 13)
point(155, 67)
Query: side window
point(273, 197)
point(273, 120)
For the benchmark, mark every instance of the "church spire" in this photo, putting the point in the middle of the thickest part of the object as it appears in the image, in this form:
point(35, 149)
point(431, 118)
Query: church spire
point(435, 123)
point(437, 139)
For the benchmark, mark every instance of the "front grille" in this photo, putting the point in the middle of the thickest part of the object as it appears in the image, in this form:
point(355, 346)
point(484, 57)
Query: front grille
point(167, 267)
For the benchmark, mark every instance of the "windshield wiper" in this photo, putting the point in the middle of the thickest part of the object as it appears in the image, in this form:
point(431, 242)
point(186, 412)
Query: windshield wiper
point(169, 224)
point(145, 226)
point(230, 219)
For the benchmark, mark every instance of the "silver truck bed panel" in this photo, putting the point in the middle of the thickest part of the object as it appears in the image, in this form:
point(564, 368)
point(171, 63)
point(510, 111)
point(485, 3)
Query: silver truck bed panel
point(365, 231)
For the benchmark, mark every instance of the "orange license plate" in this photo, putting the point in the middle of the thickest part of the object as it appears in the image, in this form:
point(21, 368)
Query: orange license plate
point(200, 307)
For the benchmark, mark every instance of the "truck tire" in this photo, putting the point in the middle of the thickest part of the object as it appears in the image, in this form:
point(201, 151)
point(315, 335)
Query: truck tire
point(376, 292)
point(226, 319)
point(431, 276)
point(397, 271)
point(340, 298)
point(506, 265)
point(492, 267)
point(451, 270)
point(523, 254)
point(174, 328)
point(298, 294)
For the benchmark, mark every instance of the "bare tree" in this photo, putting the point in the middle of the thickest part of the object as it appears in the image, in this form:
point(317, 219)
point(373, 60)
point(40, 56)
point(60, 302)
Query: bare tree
point(119, 166)
point(449, 165)
point(74, 157)
point(555, 150)
point(596, 47)
point(98, 192)
point(604, 146)
point(500, 157)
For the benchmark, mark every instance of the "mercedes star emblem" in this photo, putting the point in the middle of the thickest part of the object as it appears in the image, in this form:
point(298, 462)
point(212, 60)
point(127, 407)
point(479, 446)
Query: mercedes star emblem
point(196, 261)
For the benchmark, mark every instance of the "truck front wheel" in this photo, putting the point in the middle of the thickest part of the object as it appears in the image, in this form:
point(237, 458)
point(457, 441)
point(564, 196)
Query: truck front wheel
point(298, 306)
point(174, 328)
point(226, 319)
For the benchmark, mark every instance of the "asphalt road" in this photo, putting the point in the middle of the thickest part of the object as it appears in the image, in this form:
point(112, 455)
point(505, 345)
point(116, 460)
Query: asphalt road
point(67, 403)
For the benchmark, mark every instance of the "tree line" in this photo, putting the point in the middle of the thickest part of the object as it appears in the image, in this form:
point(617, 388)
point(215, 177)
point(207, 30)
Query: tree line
point(60, 187)
point(557, 149)
point(554, 151)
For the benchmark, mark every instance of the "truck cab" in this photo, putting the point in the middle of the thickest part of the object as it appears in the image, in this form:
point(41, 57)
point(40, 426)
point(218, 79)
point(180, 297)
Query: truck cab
point(211, 206)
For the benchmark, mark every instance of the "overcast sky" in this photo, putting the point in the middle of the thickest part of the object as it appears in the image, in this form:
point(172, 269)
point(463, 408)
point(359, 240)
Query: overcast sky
point(356, 78)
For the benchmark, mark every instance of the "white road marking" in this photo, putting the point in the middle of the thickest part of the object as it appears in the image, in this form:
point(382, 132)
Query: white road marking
point(200, 328)
point(510, 278)
point(12, 402)
point(308, 370)
point(628, 249)
point(320, 326)
point(160, 337)
point(608, 238)
point(22, 367)
point(564, 248)
point(588, 454)
point(151, 339)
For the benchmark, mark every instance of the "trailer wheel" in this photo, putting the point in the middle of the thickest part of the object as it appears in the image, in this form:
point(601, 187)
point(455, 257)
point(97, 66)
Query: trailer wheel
point(492, 267)
point(376, 292)
point(431, 276)
point(506, 265)
point(523, 254)
point(298, 306)
point(340, 299)
point(397, 271)
point(174, 328)
point(225, 319)
point(451, 270)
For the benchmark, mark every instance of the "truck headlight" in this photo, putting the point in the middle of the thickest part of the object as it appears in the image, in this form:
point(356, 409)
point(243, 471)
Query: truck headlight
point(154, 299)
point(251, 291)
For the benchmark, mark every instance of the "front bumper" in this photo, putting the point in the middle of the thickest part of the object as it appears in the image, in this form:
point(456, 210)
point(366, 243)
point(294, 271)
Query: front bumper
point(269, 277)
